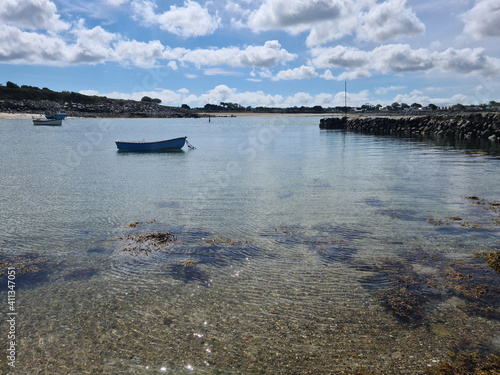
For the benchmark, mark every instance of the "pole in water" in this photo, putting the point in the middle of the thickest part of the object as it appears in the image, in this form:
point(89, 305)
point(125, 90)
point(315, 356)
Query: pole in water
point(209, 117)
point(345, 96)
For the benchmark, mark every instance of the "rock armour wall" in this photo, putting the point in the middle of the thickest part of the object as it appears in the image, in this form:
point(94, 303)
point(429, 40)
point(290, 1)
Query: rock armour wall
point(460, 126)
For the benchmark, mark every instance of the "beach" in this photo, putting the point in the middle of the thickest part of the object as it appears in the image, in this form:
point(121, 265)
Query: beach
point(19, 116)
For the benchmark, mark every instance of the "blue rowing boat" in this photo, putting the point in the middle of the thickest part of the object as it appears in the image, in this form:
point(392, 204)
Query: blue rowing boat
point(166, 145)
point(55, 116)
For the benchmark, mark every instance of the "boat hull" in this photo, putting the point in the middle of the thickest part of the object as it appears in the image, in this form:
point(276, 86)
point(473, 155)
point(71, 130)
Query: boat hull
point(166, 145)
point(58, 115)
point(47, 122)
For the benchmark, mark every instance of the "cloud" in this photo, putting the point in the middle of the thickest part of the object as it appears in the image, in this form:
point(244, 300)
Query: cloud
point(328, 20)
point(144, 10)
point(267, 55)
point(296, 73)
point(385, 90)
point(339, 56)
point(141, 54)
point(346, 75)
point(223, 93)
point(457, 98)
point(21, 47)
point(116, 2)
point(96, 45)
point(93, 46)
point(388, 20)
point(353, 99)
point(31, 15)
point(483, 20)
point(172, 65)
point(298, 100)
point(190, 20)
point(221, 72)
point(401, 58)
point(294, 16)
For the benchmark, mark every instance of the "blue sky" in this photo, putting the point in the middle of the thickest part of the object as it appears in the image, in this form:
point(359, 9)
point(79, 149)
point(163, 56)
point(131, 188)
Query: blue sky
point(277, 53)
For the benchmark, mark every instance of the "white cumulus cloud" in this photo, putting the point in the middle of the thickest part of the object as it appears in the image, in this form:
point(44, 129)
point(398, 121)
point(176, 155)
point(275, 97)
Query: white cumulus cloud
point(189, 20)
point(31, 15)
point(483, 20)
point(296, 73)
point(328, 20)
point(388, 20)
point(401, 58)
point(267, 55)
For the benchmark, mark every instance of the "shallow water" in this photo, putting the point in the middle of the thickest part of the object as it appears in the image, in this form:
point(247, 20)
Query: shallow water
point(291, 245)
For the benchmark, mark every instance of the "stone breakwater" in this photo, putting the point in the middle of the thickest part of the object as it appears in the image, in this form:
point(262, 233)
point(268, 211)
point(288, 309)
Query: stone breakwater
point(103, 108)
point(460, 126)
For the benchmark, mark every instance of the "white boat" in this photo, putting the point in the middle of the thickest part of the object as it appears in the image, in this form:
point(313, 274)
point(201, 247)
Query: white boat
point(46, 121)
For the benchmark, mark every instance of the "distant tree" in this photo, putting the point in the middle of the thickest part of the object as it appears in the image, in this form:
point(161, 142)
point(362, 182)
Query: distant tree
point(404, 106)
point(494, 104)
point(12, 85)
point(458, 107)
point(416, 105)
point(185, 106)
point(433, 107)
point(212, 107)
point(395, 106)
point(147, 99)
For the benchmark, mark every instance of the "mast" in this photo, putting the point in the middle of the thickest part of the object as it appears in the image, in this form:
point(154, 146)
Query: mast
point(345, 97)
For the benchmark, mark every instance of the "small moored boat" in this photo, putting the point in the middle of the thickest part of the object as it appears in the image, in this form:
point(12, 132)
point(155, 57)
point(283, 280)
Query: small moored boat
point(53, 116)
point(46, 121)
point(166, 145)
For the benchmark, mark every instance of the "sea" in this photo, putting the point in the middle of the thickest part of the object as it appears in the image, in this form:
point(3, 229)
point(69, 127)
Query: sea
point(272, 247)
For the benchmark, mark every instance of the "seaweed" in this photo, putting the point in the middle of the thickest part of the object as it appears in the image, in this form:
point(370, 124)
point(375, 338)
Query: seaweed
point(31, 269)
point(146, 242)
point(406, 291)
point(26, 263)
point(488, 218)
point(493, 259)
point(465, 358)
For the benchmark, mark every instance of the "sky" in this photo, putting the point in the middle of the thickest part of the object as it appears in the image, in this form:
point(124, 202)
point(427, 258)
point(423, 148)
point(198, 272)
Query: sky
point(273, 53)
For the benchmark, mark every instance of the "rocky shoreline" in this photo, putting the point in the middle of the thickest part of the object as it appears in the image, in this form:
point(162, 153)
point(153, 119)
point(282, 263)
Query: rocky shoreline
point(103, 108)
point(471, 126)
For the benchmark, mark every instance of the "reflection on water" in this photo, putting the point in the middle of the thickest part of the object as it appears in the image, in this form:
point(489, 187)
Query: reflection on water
point(271, 248)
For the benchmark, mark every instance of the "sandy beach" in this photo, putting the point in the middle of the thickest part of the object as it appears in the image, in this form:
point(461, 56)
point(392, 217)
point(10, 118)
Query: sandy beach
point(21, 116)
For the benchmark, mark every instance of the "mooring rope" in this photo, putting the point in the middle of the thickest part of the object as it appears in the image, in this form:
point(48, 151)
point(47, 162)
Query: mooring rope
point(190, 145)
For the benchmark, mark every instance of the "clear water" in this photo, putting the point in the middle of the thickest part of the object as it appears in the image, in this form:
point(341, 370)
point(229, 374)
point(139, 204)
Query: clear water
point(286, 238)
